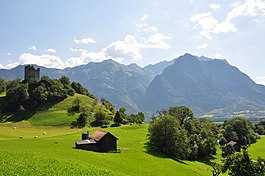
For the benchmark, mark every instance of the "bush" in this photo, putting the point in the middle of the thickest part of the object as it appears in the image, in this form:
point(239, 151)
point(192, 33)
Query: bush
point(82, 120)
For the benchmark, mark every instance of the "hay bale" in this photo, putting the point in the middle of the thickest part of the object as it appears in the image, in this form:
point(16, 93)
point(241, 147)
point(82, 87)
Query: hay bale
point(35, 137)
point(14, 128)
point(44, 133)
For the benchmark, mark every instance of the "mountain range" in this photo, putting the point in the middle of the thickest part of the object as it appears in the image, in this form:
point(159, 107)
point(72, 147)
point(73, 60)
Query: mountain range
point(206, 85)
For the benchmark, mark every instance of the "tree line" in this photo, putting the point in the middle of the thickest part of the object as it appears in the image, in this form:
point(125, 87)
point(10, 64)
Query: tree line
point(176, 133)
point(28, 95)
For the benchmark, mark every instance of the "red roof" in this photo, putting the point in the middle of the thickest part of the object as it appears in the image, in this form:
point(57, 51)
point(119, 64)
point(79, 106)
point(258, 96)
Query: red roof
point(99, 134)
point(232, 143)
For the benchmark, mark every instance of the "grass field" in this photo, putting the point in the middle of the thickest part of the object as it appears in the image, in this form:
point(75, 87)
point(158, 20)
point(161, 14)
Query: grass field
point(53, 154)
point(56, 114)
point(3, 94)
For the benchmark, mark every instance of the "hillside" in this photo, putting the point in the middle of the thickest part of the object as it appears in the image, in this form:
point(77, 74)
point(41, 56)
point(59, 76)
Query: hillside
point(56, 114)
point(205, 85)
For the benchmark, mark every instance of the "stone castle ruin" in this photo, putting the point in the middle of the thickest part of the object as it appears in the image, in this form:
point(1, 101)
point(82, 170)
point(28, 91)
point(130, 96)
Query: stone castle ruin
point(31, 72)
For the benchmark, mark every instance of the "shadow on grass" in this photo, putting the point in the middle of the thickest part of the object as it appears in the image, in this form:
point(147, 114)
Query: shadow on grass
point(25, 115)
point(154, 152)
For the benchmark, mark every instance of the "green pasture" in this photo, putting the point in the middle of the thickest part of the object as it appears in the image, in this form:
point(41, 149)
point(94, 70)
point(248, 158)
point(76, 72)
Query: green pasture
point(3, 94)
point(54, 154)
point(56, 114)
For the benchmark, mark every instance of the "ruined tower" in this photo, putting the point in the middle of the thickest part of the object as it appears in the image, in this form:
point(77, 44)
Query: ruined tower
point(31, 72)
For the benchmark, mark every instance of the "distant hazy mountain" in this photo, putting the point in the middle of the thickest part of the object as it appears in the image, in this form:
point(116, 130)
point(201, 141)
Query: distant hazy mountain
point(206, 85)
point(158, 68)
point(120, 84)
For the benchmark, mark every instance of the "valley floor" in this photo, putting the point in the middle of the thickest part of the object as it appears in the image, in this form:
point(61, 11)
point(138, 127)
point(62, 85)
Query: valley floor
point(54, 153)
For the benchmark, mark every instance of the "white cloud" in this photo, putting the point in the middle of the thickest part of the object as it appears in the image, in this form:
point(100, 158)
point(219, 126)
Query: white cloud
point(86, 57)
point(34, 48)
point(219, 56)
point(12, 65)
point(151, 29)
point(46, 60)
point(202, 46)
point(77, 50)
point(144, 17)
point(249, 8)
point(1, 66)
point(234, 4)
point(124, 49)
point(51, 50)
point(144, 26)
point(9, 54)
point(214, 6)
point(84, 41)
point(260, 80)
point(210, 25)
point(156, 41)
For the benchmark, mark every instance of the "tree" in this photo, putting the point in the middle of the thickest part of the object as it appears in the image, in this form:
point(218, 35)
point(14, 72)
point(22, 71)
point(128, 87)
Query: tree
point(117, 118)
point(122, 112)
point(243, 165)
point(108, 105)
point(197, 136)
point(2, 85)
point(16, 97)
point(65, 80)
point(182, 113)
point(241, 130)
point(166, 134)
point(100, 119)
point(82, 120)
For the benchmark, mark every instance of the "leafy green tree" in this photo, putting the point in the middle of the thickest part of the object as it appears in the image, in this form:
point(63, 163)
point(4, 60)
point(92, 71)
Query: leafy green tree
point(140, 117)
point(117, 118)
point(122, 111)
point(108, 105)
point(239, 129)
point(65, 80)
point(100, 119)
point(2, 85)
point(222, 140)
point(200, 135)
point(259, 128)
point(81, 120)
point(242, 165)
point(78, 88)
point(136, 118)
point(16, 97)
point(166, 134)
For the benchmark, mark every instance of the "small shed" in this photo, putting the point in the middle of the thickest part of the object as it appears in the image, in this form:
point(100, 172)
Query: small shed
point(100, 141)
point(235, 145)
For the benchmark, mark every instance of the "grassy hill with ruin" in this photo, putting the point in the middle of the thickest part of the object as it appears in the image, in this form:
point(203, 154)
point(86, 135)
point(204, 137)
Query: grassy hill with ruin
point(54, 114)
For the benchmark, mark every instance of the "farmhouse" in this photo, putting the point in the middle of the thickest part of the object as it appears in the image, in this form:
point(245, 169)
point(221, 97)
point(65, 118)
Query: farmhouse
point(235, 145)
point(100, 141)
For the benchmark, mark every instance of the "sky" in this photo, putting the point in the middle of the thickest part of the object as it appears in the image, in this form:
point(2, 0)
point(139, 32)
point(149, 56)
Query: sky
point(60, 34)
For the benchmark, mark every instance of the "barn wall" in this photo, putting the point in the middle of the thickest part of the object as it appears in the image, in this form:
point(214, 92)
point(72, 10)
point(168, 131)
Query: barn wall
point(108, 143)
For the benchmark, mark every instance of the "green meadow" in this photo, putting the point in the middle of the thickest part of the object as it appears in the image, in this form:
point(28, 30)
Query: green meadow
point(54, 153)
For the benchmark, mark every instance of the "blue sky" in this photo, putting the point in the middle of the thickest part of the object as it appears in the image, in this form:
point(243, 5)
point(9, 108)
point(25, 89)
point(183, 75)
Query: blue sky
point(68, 33)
